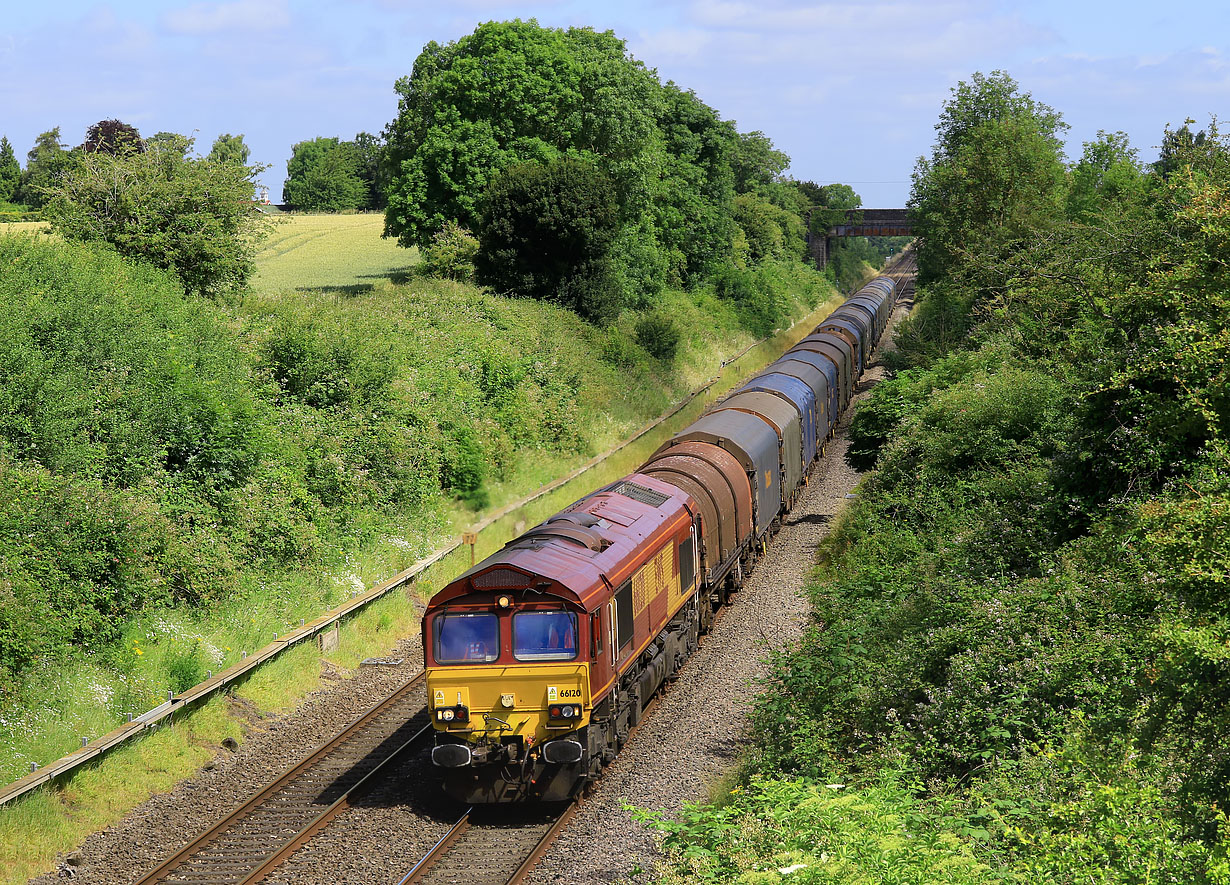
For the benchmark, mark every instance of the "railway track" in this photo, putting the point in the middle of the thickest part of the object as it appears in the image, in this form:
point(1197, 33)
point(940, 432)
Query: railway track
point(494, 847)
point(499, 845)
point(261, 833)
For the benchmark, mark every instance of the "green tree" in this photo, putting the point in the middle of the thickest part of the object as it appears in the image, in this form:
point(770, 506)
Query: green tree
point(546, 232)
point(770, 232)
point(995, 173)
point(10, 170)
point(371, 168)
point(173, 141)
point(323, 175)
point(756, 163)
point(1109, 170)
point(827, 205)
point(693, 199)
point(45, 163)
point(229, 148)
point(192, 216)
point(514, 92)
point(112, 137)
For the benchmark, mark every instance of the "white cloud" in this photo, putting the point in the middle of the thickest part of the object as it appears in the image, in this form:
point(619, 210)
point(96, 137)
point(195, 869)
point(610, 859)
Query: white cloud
point(214, 18)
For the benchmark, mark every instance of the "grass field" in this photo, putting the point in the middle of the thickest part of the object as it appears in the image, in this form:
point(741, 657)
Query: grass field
point(23, 227)
point(342, 253)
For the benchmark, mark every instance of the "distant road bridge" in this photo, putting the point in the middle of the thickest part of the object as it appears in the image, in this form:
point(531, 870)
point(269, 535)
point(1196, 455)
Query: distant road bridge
point(863, 223)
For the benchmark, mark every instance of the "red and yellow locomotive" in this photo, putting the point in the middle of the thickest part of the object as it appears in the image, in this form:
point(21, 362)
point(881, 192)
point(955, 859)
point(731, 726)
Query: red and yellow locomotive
point(543, 656)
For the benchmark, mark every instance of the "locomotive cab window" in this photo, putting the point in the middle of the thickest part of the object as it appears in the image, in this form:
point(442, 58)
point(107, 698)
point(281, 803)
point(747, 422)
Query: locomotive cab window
point(544, 636)
point(466, 638)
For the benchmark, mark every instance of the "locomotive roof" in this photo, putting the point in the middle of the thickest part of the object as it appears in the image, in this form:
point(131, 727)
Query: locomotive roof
point(601, 537)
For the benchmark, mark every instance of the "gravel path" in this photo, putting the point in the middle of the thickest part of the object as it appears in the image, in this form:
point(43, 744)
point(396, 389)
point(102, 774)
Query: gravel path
point(380, 839)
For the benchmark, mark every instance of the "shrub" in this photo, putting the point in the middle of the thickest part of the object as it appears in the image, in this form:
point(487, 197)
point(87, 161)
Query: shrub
point(451, 253)
point(325, 368)
point(618, 350)
point(547, 230)
point(760, 309)
point(76, 560)
point(464, 465)
point(185, 665)
point(106, 371)
point(658, 334)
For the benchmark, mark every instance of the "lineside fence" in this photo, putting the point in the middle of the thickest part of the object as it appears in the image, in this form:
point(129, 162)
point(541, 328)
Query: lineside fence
point(93, 750)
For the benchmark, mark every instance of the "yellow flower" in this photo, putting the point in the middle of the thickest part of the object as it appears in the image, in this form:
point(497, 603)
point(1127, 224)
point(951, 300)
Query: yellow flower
point(138, 651)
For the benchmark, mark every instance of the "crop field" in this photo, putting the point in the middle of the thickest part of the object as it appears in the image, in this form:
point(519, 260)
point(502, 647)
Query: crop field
point(343, 253)
point(23, 227)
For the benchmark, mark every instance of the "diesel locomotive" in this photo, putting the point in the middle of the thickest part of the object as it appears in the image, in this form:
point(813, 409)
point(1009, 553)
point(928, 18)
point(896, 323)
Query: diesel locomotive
point(541, 658)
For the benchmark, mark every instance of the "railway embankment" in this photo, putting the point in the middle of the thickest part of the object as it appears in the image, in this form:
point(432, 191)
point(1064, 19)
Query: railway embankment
point(304, 658)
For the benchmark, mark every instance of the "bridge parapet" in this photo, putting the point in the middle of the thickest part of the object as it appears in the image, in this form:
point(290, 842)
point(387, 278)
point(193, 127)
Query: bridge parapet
point(864, 223)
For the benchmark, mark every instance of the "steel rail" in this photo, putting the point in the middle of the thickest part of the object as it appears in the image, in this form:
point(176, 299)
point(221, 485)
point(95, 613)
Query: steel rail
point(258, 800)
point(442, 847)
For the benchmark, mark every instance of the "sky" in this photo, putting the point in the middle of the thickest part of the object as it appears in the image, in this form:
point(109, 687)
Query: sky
point(850, 91)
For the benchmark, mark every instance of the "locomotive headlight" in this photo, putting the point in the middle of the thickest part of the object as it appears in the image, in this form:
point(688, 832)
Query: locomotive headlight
point(447, 715)
point(568, 712)
point(504, 601)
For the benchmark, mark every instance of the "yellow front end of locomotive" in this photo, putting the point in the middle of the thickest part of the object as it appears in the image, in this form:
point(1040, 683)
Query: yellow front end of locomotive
point(530, 702)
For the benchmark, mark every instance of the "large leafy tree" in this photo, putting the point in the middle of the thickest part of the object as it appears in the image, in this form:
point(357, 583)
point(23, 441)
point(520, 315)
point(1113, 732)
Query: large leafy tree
point(192, 216)
point(45, 163)
point(10, 170)
point(995, 173)
point(514, 92)
point(229, 148)
point(323, 174)
point(112, 137)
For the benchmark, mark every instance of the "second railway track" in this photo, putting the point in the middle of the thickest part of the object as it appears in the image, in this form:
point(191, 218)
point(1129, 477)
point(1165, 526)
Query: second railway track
point(258, 835)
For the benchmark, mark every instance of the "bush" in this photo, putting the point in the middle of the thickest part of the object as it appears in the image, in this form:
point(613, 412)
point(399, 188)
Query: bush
point(760, 308)
point(106, 371)
point(76, 560)
point(185, 665)
point(451, 254)
point(658, 334)
point(464, 465)
point(546, 232)
point(193, 217)
point(323, 368)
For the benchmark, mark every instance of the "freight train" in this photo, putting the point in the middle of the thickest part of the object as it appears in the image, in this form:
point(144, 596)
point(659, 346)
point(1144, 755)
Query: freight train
point(543, 657)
